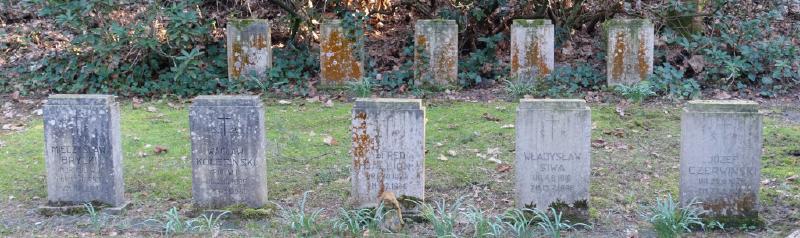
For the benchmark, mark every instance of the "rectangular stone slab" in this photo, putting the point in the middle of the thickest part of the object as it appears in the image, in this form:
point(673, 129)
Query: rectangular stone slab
point(388, 149)
point(532, 49)
point(436, 53)
point(83, 156)
point(249, 48)
point(228, 151)
point(339, 55)
point(721, 157)
point(553, 160)
point(630, 50)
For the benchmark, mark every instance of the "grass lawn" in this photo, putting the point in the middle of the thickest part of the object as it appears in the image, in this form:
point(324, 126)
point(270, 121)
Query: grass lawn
point(634, 161)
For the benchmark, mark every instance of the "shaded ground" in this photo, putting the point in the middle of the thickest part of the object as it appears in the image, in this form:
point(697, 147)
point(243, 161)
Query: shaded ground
point(634, 160)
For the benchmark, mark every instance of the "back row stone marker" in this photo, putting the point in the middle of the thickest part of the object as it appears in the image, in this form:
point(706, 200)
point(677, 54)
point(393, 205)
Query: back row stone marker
point(721, 159)
point(388, 150)
point(83, 153)
point(436, 53)
point(630, 50)
point(552, 163)
point(228, 152)
point(339, 59)
point(249, 48)
point(532, 49)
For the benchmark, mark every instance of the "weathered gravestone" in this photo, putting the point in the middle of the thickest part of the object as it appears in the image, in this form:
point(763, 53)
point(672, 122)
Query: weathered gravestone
point(249, 48)
point(388, 150)
point(228, 151)
point(436, 53)
point(630, 50)
point(83, 153)
point(721, 158)
point(532, 49)
point(553, 156)
point(339, 59)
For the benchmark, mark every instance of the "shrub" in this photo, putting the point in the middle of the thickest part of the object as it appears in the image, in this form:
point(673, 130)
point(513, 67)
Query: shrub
point(567, 81)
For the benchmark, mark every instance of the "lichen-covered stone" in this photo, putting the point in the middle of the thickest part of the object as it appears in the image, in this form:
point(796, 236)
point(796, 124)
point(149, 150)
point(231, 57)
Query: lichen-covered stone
point(553, 160)
point(630, 50)
point(436, 53)
point(339, 59)
point(83, 150)
point(228, 151)
point(721, 157)
point(249, 48)
point(532, 49)
point(388, 150)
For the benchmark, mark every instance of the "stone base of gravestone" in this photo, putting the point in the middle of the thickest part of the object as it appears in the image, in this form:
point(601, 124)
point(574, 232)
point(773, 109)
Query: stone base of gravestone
point(630, 50)
point(249, 48)
point(80, 209)
point(228, 152)
point(83, 152)
point(532, 49)
point(339, 60)
point(436, 53)
point(721, 144)
point(552, 163)
point(388, 150)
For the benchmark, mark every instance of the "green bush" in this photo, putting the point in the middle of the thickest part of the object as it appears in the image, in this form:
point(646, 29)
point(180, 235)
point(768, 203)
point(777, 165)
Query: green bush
point(670, 81)
point(744, 52)
point(565, 82)
point(165, 48)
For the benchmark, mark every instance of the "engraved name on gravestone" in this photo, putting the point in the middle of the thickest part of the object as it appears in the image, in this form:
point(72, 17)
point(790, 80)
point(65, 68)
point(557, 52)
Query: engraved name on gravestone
point(339, 54)
point(83, 150)
point(630, 50)
point(721, 156)
point(249, 48)
point(228, 151)
point(532, 49)
point(436, 52)
point(388, 149)
point(553, 155)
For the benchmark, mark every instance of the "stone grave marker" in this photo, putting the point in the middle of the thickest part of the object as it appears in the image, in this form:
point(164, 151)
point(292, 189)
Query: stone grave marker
point(249, 48)
point(83, 156)
point(436, 53)
point(721, 158)
point(532, 49)
point(630, 50)
point(388, 150)
point(228, 151)
point(339, 59)
point(552, 163)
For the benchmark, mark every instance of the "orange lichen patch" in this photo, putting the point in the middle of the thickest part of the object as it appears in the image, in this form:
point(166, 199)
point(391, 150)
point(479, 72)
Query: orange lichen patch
point(362, 142)
point(260, 42)
point(444, 63)
point(741, 205)
point(535, 58)
point(644, 67)
point(514, 58)
point(238, 61)
point(619, 54)
point(337, 59)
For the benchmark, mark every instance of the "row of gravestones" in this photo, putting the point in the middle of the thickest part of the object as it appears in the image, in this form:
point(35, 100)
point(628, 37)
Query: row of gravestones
point(719, 166)
point(629, 51)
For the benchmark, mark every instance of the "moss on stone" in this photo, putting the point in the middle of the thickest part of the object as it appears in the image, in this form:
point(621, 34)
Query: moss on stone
point(241, 24)
point(531, 22)
point(245, 212)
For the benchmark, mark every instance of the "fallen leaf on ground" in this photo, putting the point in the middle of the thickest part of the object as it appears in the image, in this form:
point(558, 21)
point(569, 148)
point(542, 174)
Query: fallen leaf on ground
point(152, 109)
point(697, 62)
point(312, 99)
point(490, 117)
point(15, 96)
point(502, 168)
point(790, 178)
point(173, 105)
point(495, 160)
point(328, 140)
point(721, 95)
point(13, 127)
point(137, 102)
point(159, 149)
point(328, 103)
point(442, 158)
point(599, 143)
point(452, 153)
point(506, 126)
point(621, 107)
point(284, 102)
